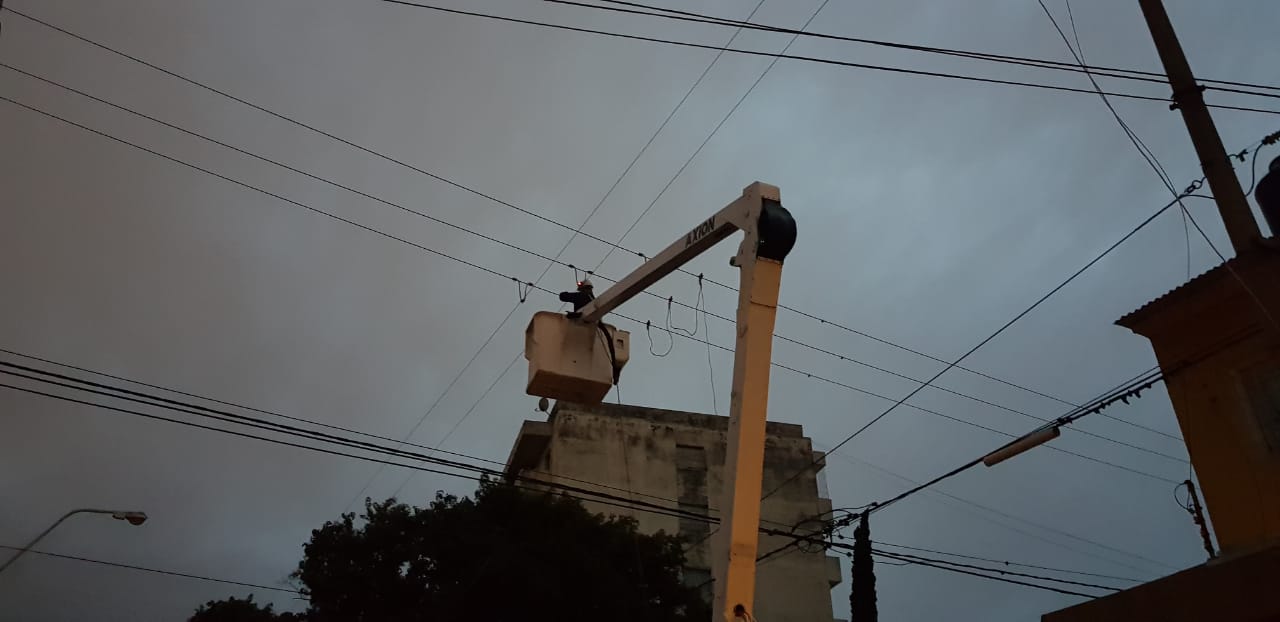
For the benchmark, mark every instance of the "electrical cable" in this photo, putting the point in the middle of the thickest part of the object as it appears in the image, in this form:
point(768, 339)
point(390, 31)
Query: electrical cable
point(576, 232)
point(993, 404)
point(1267, 141)
point(458, 376)
point(715, 130)
point(1009, 563)
point(699, 149)
point(252, 187)
point(1077, 52)
point(985, 576)
point(233, 404)
point(151, 570)
point(1111, 72)
point(1135, 388)
point(469, 471)
point(1124, 394)
point(355, 191)
point(188, 408)
point(593, 496)
point(296, 122)
point(671, 344)
point(1018, 530)
point(990, 337)
point(672, 325)
point(476, 472)
point(825, 61)
point(471, 264)
point(434, 403)
point(1232, 271)
point(1155, 165)
point(820, 320)
point(1120, 393)
point(773, 552)
point(1001, 571)
point(224, 416)
point(466, 415)
point(524, 291)
point(922, 409)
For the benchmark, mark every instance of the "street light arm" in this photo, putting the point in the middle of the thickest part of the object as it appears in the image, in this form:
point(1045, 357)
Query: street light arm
point(37, 539)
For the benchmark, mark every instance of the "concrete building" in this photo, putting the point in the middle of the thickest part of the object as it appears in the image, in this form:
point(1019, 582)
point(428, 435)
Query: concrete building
point(677, 459)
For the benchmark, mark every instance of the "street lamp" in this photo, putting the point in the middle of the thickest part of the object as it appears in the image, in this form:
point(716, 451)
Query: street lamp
point(134, 518)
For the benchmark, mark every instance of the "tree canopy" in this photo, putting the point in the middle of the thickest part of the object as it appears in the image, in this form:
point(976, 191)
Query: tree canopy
point(239, 610)
point(505, 554)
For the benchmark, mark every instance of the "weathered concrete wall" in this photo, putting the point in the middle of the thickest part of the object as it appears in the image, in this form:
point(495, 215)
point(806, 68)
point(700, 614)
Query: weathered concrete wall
point(643, 450)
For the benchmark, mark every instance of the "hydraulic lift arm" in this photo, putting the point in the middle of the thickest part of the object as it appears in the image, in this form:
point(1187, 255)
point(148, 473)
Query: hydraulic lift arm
point(560, 365)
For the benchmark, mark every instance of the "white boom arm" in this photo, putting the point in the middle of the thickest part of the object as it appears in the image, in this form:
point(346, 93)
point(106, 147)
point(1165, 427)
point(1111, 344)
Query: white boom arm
point(769, 234)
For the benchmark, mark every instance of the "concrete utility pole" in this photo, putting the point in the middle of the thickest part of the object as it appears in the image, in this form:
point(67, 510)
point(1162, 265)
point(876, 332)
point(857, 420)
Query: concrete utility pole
point(1188, 98)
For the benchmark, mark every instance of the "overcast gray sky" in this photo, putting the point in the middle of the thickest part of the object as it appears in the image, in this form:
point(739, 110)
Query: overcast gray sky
point(930, 211)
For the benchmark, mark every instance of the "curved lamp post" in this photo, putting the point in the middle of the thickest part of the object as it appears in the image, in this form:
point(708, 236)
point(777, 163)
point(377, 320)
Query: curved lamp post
point(134, 518)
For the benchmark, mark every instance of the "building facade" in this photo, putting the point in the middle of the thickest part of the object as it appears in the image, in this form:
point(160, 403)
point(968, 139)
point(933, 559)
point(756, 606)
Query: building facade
point(676, 459)
point(1217, 339)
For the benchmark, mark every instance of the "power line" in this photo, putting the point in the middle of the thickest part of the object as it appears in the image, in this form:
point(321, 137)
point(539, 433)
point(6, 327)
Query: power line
point(1009, 563)
point(1159, 170)
point(942, 566)
point(1149, 156)
point(1132, 390)
point(710, 135)
point(988, 339)
point(469, 471)
point(707, 329)
point(287, 417)
point(576, 231)
point(474, 265)
point(491, 271)
point(151, 570)
point(120, 393)
point(593, 496)
point(922, 409)
point(552, 261)
point(95, 388)
point(605, 498)
point(278, 163)
point(1001, 571)
point(286, 118)
point(812, 59)
point(254, 188)
point(293, 122)
point(1111, 72)
point(1029, 534)
point(430, 409)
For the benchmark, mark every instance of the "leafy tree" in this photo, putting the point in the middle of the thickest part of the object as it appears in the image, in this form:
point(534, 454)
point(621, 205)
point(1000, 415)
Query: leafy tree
point(506, 554)
point(236, 610)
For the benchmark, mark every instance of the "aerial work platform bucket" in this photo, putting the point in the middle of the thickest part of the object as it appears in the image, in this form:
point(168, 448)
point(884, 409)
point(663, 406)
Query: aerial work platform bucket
point(573, 360)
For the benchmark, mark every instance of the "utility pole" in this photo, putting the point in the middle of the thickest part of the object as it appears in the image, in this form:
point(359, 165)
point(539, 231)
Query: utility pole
point(1188, 98)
